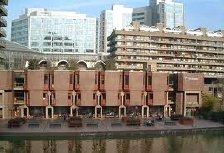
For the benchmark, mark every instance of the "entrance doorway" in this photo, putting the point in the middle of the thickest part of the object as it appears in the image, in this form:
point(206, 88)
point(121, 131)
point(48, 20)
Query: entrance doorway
point(25, 112)
point(1, 112)
point(49, 112)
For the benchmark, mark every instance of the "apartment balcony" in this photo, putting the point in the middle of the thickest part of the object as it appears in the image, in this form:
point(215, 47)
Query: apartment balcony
point(3, 2)
point(19, 100)
point(129, 67)
point(3, 11)
point(125, 53)
point(3, 22)
point(189, 69)
point(2, 43)
point(19, 86)
point(2, 32)
point(170, 102)
point(1, 100)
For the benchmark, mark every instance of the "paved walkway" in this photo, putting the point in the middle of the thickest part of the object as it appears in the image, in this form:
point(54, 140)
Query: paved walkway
point(109, 125)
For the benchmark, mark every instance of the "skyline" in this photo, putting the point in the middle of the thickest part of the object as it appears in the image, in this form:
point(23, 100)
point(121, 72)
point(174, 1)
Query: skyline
point(200, 13)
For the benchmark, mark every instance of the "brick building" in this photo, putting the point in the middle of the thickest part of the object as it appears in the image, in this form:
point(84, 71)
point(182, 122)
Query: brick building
point(50, 94)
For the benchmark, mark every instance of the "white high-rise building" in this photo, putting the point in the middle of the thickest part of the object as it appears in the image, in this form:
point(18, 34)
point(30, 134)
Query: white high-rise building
point(167, 12)
point(116, 18)
point(55, 32)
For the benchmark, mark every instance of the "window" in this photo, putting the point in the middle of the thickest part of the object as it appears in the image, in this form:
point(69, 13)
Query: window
point(46, 79)
point(127, 96)
point(77, 78)
point(44, 95)
point(149, 80)
point(94, 96)
point(126, 79)
point(70, 79)
point(69, 97)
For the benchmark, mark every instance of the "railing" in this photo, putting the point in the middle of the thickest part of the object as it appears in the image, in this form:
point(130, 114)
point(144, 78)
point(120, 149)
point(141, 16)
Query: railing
point(4, 2)
point(4, 10)
point(3, 20)
point(19, 85)
point(19, 100)
point(3, 32)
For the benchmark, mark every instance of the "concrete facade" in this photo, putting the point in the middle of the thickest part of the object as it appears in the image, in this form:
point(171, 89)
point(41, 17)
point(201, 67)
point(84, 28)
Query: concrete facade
point(160, 49)
point(51, 94)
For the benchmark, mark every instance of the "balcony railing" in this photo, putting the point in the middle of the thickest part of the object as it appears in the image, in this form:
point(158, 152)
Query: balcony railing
point(18, 85)
point(4, 2)
point(3, 10)
point(19, 100)
point(2, 32)
point(3, 22)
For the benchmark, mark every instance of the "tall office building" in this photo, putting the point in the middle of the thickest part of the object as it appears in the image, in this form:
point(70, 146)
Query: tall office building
point(143, 15)
point(168, 12)
point(116, 18)
point(55, 32)
point(3, 23)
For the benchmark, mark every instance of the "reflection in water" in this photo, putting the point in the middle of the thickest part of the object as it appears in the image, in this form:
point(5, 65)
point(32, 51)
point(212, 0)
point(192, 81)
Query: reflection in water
point(170, 144)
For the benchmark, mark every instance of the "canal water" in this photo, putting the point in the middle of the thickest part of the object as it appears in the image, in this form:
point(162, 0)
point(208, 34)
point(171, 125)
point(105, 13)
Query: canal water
point(204, 143)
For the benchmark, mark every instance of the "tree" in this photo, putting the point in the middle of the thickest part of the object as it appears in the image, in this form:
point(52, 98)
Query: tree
point(72, 65)
point(110, 63)
point(33, 64)
point(208, 102)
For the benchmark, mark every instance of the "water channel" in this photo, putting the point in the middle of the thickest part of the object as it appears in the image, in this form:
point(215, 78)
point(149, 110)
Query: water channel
point(203, 143)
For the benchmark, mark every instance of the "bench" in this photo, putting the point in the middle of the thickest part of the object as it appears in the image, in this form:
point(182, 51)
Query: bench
point(116, 124)
point(92, 124)
point(169, 123)
point(55, 125)
point(33, 125)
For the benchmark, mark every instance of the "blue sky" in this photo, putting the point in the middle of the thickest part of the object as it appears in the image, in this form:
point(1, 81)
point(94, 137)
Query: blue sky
point(198, 13)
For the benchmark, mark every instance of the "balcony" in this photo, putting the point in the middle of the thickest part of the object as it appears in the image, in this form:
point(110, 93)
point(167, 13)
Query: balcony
point(19, 100)
point(18, 86)
point(170, 101)
point(3, 11)
point(3, 22)
point(3, 2)
point(2, 43)
point(2, 32)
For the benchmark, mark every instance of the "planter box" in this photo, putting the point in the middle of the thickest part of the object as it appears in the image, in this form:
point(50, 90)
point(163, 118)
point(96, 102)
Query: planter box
point(186, 121)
